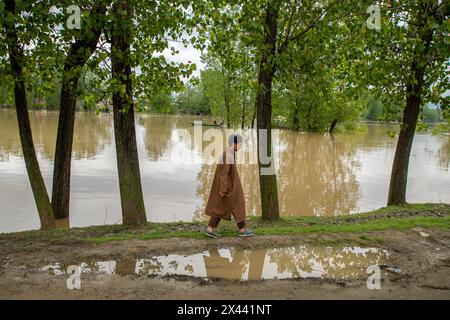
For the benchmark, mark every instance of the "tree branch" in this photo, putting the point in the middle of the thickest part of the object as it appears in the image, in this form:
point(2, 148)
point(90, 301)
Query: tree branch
point(309, 27)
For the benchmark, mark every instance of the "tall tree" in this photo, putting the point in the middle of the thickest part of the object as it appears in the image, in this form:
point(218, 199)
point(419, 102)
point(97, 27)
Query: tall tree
point(80, 50)
point(404, 61)
point(285, 24)
point(267, 182)
point(16, 57)
point(426, 19)
point(132, 201)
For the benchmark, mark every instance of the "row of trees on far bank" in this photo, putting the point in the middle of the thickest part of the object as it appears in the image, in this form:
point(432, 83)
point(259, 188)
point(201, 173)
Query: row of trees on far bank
point(309, 65)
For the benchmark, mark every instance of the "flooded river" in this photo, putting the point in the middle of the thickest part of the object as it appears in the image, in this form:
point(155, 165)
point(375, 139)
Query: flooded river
point(317, 175)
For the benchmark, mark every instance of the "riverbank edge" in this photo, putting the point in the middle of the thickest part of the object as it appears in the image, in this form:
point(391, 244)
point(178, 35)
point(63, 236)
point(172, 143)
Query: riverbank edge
point(419, 215)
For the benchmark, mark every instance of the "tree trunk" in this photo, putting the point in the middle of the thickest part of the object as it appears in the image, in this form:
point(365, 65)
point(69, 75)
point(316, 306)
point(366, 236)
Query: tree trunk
point(296, 118)
point(399, 174)
point(227, 109)
point(244, 102)
point(308, 116)
point(79, 53)
point(132, 200)
point(267, 182)
point(226, 96)
point(253, 117)
point(16, 57)
point(332, 126)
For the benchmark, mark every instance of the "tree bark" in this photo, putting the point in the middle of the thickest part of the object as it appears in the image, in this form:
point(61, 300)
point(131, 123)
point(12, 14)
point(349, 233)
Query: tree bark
point(132, 200)
point(16, 58)
point(79, 53)
point(267, 183)
point(399, 174)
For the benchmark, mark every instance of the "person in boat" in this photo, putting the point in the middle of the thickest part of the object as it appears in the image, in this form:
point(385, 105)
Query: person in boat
point(227, 197)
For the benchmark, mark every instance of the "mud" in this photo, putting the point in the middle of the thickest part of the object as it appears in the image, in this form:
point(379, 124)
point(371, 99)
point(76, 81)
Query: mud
point(412, 266)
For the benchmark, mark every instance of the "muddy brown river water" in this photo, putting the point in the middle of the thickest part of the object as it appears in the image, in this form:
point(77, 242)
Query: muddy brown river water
point(317, 175)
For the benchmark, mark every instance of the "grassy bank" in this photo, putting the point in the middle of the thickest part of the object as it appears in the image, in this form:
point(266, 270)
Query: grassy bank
point(399, 218)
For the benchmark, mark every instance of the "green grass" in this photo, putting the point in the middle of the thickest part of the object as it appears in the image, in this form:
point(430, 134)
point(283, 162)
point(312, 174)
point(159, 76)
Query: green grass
point(399, 218)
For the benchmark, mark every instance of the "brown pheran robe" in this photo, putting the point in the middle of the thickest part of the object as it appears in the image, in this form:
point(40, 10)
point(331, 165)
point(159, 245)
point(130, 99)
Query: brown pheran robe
point(226, 179)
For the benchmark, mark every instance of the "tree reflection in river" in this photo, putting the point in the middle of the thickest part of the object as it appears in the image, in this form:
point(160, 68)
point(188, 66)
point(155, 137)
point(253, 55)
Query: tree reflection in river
point(92, 133)
point(444, 153)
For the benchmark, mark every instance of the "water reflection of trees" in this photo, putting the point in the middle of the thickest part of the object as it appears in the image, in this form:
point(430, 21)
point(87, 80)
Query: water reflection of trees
point(316, 175)
point(443, 153)
point(92, 132)
point(125, 266)
point(289, 262)
point(220, 267)
point(158, 133)
point(204, 177)
point(324, 262)
point(235, 264)
point(9, 135)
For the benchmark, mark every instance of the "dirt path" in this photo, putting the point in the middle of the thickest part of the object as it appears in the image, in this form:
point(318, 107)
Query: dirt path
point(424, 263)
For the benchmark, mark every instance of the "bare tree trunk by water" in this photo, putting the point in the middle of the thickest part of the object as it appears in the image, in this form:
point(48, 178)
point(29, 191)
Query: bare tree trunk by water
point(253, 117)
point(310, 128)
point(79, 53)
point(16, 57)
point(244, 102)
point(267, 182)
point(133, 209)
point(333, 125)
point(399, 174)
point(227, 109)
point(296, 117)
point(226, 95)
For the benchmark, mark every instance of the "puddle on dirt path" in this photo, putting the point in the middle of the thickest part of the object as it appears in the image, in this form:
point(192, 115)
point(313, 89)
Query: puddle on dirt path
point(345, 263)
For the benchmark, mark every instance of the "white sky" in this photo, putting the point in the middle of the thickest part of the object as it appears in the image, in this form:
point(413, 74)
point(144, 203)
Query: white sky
point(185, 55)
